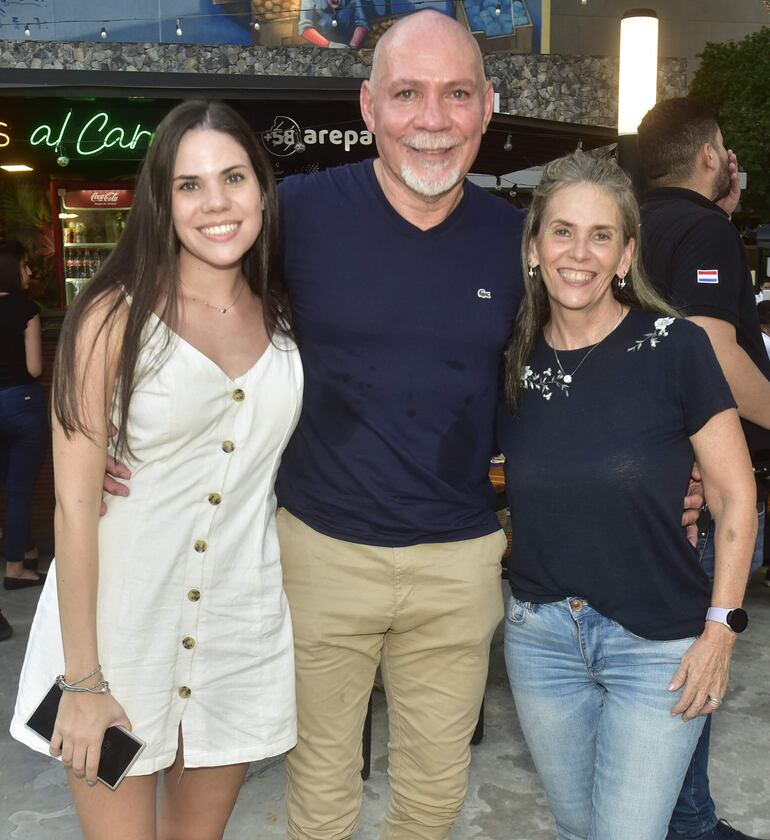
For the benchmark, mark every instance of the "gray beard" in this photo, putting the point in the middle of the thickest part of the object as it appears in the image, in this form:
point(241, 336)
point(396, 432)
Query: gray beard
point(429, 187)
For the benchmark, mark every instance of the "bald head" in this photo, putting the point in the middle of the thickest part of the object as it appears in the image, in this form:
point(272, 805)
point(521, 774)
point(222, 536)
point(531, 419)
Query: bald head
point(427, 104)
point(426, 29)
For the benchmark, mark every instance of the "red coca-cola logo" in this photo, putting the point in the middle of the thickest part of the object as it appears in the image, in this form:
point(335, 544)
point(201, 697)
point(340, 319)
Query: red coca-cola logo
point(117, 199)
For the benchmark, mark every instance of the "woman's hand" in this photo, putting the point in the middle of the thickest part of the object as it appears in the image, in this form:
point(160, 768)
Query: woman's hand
point(79, 730)
point(704, 672)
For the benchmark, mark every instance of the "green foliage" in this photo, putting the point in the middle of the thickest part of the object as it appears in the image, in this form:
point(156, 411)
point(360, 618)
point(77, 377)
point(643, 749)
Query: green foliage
point(734, 78)
point(25, 215)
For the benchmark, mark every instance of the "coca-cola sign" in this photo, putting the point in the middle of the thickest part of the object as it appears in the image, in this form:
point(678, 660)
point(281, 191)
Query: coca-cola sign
point(110, 198)
point(101, 199)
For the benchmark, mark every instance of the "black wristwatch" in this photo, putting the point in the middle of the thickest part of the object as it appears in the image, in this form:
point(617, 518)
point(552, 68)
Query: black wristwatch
point(737, 620)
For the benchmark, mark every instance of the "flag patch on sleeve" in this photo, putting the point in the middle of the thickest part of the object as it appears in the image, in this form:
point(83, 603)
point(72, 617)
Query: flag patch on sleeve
point(708, 275)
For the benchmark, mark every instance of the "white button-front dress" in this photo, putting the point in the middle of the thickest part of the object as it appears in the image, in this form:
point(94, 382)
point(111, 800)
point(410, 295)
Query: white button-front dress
point(193, 625)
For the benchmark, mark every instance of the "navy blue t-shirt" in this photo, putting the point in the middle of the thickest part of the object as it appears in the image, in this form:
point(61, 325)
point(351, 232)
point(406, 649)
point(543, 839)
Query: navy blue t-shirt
point(596, 472)
point(401, 332)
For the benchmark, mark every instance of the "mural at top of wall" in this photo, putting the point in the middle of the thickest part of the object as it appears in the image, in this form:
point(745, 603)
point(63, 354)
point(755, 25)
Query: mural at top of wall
point(497, 24)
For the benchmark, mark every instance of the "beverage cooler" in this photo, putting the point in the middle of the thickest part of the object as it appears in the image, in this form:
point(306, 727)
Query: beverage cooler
point(90, 221)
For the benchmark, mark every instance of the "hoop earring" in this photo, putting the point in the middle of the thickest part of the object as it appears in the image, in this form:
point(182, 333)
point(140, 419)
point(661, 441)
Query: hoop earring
point(532, 270)
point(621, 281)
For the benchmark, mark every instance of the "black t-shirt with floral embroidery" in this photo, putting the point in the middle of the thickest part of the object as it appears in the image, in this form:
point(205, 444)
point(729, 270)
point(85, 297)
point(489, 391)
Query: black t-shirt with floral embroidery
point(597, 469)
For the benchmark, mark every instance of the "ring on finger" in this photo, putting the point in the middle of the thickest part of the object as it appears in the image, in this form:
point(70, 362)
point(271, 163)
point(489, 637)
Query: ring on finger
point(716, 702)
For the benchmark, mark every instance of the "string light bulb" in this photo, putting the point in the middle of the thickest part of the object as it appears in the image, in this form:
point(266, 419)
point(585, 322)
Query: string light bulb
point(498, 184)
point(178, 29)
point(498, 9)
point(334, 20)
point(103, 33)
point(255, 23)
point(27, 30)
point(508, 145)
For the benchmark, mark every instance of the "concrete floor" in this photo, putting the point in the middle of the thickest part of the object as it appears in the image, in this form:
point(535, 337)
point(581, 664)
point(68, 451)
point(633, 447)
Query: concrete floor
point(505, 801)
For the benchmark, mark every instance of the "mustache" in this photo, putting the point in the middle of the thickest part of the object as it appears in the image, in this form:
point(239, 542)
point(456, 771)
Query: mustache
point(426, 142)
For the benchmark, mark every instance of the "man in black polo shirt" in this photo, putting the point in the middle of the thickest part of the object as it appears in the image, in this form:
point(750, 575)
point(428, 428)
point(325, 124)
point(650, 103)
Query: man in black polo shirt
point(694, 256)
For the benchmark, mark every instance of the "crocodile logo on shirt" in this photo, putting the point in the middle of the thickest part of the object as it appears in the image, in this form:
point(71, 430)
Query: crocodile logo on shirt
point(484, 294)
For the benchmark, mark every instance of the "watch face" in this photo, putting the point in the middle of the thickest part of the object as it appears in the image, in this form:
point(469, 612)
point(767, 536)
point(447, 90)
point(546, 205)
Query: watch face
point(737, 620)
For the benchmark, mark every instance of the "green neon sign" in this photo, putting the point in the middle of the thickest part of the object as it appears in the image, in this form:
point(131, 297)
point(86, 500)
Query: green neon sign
point(94, 136)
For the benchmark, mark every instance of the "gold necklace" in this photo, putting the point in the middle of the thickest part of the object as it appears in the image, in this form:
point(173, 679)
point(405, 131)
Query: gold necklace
point(221, 309)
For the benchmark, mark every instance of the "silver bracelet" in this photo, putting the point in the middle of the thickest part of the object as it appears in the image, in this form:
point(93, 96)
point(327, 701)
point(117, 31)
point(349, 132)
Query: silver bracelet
point(101, 687)
point(93, 673)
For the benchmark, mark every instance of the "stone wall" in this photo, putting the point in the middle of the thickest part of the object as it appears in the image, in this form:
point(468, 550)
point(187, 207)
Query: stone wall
point(580, 89)
point(577, 89)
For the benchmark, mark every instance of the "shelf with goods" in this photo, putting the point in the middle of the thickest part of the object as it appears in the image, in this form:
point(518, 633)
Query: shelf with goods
point(92, 218)
point(81, 262)
point(99, 227)
point(100, 245)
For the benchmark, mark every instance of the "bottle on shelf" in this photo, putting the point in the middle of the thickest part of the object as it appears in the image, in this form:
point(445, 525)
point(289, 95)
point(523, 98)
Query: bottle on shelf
point(80, 232)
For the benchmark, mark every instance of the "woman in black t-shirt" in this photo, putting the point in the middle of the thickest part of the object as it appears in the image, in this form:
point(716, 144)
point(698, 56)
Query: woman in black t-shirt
point(23, 419)
point(612, 661)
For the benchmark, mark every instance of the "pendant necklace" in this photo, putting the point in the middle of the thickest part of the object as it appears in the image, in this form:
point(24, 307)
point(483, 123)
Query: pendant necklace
point(567, 377)
point(221, 309)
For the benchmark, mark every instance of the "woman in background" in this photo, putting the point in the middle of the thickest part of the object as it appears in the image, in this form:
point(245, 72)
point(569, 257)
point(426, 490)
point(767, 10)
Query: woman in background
point(23, 418)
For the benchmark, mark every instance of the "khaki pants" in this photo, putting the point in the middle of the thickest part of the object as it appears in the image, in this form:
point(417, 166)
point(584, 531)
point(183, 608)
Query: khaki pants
point(426, 615)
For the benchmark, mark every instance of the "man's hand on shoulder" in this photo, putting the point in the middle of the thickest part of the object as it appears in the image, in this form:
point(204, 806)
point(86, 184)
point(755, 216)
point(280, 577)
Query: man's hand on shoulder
point(730, 201)
point(693, 502)
point(112, 472)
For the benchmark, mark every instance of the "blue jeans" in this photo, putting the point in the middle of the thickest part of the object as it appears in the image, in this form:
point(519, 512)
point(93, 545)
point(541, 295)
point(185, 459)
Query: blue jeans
point(695, 812)
point(23, 442)
point(594, 707)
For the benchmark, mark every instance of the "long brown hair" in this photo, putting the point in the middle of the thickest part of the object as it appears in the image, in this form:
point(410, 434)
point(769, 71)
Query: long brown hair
point(535, 309)
point(143, 265)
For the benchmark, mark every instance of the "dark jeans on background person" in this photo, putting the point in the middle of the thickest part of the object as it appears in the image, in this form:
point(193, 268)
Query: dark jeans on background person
point(695, 812)
point(23, 442)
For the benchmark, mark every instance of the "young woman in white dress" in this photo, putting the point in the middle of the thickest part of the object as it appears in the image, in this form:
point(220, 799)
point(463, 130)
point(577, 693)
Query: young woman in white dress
point(175, 597)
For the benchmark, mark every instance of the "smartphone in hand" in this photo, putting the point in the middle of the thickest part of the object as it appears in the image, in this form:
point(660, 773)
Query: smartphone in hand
point(120, 748)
